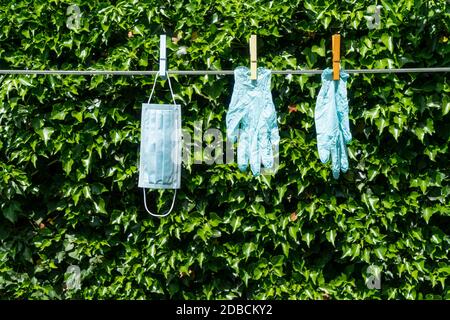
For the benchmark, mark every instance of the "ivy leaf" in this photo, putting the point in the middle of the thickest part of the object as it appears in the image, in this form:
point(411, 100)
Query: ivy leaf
point(58, 115)
point(46, 133)
point(427, 213)
point(445, 106)
point(320, 50)
point(370, 201)
point(67, 166)
point(100, 206)
point(380, 253)
point(248, 248)
point(395, 131)
point(25, 82)
point(286, 246)
point(11, 212)
point(293, 232)
point(331, 235)
point(308, 237)
point(236, 223)
point(420, 133)
point(387, 41)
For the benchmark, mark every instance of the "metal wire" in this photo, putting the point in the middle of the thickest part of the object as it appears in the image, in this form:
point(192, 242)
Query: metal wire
point(214, 72)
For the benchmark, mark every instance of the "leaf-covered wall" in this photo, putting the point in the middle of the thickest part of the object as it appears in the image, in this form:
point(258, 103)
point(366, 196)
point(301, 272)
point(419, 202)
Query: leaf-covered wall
point(69, 153)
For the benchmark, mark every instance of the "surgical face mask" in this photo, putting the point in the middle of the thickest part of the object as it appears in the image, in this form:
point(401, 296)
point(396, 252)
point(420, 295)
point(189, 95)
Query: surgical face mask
point(160, 149)
point(159, 166)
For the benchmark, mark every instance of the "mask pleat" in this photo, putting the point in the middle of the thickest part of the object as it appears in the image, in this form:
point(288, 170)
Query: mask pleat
point(152, 145)
point(169, 146)
point(160, 150)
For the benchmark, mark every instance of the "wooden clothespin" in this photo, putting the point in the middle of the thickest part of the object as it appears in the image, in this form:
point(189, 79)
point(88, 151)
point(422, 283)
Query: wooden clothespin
point(162, 56)
point(253, 58)
point(336, 47)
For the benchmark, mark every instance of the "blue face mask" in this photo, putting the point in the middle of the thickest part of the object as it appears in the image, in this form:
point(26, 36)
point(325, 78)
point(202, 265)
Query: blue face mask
point(160, 149)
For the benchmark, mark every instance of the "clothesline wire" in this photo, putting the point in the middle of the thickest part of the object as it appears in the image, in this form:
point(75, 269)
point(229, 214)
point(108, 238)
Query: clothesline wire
point(214, 72)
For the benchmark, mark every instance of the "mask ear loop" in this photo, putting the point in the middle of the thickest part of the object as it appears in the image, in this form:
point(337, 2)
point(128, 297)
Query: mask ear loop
point(160, 215)
point(154, 85)
point(175, 193)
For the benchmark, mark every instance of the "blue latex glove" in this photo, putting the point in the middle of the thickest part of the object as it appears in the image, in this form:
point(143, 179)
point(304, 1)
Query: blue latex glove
point(331, 120)
point(252, 116)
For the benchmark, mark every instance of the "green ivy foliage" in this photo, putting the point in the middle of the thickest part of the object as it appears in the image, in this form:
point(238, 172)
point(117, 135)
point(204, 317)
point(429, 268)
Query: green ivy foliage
point(69, 153)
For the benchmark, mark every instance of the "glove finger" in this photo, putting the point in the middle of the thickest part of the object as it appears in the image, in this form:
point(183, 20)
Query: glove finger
point(335, 164)
point(265, 147)
point(270, 122)
point(237, 110)
point(273, 133)
point(324, 150)
point(233, 119)
point(323, 101)
point(243, 150)
point(343, 154)
point(274, 144)
point(255, 157)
